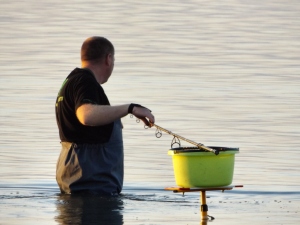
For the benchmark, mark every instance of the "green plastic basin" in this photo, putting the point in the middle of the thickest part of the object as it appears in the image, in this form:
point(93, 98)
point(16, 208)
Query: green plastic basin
point(198, 168)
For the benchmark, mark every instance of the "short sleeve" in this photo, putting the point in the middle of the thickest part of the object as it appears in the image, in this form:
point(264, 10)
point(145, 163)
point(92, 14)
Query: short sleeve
point(86, 90)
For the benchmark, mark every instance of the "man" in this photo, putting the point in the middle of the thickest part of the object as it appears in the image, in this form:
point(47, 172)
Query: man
point(91, 159)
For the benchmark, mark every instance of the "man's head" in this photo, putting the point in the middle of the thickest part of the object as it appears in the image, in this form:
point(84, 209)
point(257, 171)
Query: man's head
point(96, 48)
point(98, 54)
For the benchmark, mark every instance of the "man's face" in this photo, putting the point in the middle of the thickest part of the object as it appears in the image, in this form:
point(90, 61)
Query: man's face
point(112, 62)
point(110, 65)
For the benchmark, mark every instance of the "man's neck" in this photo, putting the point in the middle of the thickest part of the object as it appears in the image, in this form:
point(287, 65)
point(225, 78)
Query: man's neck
point(95, 70)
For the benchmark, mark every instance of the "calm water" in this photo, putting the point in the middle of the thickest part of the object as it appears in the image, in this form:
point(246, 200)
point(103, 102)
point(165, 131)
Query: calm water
point(221, 73)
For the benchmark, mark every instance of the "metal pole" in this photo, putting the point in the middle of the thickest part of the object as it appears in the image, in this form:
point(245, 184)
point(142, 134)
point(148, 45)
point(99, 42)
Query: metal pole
point(204, 207)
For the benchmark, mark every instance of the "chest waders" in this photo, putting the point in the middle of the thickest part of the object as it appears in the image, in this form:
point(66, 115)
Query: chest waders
point(92, 168)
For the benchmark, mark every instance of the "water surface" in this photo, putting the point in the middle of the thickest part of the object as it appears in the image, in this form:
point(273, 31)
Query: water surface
point(220, 73)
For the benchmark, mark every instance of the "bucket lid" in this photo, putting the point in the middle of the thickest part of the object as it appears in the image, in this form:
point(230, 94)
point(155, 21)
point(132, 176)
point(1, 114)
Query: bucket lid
point(196, 149)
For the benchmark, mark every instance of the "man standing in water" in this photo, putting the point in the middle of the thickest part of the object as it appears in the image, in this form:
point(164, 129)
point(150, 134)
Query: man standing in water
point(90, 129)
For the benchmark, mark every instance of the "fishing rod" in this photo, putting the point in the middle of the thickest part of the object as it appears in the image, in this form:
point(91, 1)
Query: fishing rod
point(199, 145)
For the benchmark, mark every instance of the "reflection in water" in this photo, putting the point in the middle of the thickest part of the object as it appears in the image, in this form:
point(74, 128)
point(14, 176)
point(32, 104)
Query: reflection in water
point(89, 209)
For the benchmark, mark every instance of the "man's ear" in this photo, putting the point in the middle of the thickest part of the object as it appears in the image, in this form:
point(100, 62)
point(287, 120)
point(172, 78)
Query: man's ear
point(108, 59)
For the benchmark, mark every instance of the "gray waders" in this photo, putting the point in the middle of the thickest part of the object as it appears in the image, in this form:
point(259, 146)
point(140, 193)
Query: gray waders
point(92, 168)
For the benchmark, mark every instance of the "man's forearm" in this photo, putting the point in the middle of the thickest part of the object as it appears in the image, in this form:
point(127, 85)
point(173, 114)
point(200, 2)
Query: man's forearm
point(98, 115)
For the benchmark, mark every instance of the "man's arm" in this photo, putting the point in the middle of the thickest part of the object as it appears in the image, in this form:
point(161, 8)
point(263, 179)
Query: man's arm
point(97, 115)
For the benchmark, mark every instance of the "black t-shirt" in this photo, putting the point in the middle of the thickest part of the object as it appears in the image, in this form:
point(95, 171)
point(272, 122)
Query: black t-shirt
point(80, 87)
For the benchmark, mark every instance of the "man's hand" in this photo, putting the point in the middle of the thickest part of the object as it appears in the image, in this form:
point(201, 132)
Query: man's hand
point(144, 114)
